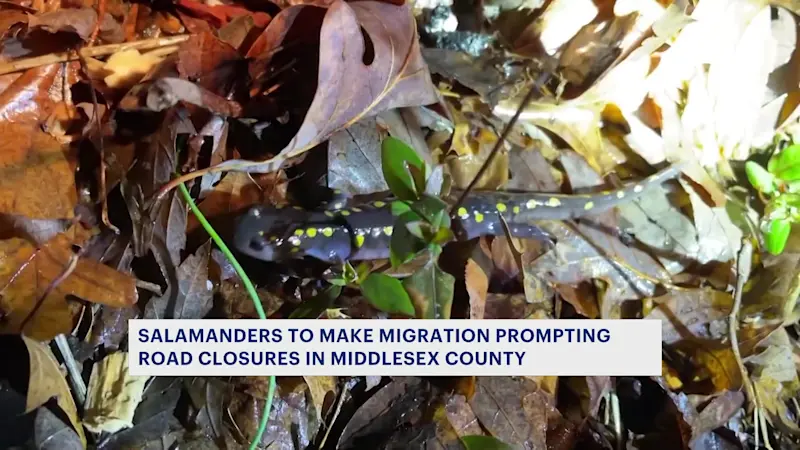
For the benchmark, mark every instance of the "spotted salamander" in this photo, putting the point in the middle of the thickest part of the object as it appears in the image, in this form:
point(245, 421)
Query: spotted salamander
point(363, 232)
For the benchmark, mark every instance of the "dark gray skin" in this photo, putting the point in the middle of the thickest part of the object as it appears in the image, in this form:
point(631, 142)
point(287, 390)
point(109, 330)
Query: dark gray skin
point(364, 232)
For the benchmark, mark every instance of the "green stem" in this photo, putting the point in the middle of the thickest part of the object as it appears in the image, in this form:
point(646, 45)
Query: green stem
point(251, 290)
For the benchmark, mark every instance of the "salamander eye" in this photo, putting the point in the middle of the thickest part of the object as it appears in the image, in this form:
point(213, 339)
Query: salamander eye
point(257, 244)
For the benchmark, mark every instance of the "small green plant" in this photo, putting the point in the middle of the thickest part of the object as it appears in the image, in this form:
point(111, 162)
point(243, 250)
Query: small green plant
point(422, 224)
point(779, 183)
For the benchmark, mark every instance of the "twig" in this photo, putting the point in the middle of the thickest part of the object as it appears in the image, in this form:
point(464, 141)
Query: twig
point(90, 52)
point(541, 81)
point(74, 371)
point(742, 274)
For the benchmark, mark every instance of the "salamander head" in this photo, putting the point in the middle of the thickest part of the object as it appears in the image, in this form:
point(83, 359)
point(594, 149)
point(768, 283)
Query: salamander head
point(263, 233)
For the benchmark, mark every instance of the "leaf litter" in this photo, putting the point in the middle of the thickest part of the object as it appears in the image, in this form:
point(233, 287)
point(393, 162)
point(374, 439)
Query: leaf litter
point(263, 104)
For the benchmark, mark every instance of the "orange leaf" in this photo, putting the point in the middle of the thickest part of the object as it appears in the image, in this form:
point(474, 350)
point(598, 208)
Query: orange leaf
point(36, 179)
point(26, 274)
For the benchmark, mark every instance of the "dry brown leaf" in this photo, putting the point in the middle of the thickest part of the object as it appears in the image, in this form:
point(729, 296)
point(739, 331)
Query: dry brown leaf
point(37, 179)
point(25, 277)
point(46, 382)
point(477, 287)
point(347, 88)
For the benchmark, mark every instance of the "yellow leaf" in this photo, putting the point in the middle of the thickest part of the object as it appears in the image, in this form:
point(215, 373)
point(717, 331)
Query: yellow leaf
point(46, 381)
point(319, 387)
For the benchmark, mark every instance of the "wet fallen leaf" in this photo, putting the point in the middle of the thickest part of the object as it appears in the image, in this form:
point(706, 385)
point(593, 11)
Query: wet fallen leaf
point(27, 157)
point(687, 314)
point(46, 382)
point(29, 301)
point(513, 410)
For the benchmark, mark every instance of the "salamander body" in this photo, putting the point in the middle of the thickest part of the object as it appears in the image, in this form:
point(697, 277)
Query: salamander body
point(363, 232)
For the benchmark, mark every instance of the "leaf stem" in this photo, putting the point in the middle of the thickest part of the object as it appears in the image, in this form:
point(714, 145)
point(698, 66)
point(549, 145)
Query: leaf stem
point(251, 290)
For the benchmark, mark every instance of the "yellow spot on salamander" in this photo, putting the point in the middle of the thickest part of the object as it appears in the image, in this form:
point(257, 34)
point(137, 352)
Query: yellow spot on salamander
point(294, 240)
point(261, 233)
point(273, 238)
point(327, 231)
point(516, 210)
point(356, 209)
point(588, 206)
point(299, 208)
point(294, 250)
point(338, 205)
point(345, 213)
point(638, 188)
point(379, 204)
point(478, 217)
point(620, 194)
point(329, 214)
point(531, 204)
point(298, 232)
point(359, 240)
point(462, 212)
point(501, 207)
point(388, 231)
point(553, 202)
point(311, 232)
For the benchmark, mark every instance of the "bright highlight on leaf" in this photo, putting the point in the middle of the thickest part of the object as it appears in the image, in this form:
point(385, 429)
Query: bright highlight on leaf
point(785, 165)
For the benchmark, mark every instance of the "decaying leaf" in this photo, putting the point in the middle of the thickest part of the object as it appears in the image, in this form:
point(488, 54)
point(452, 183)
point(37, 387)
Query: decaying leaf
point(193, 297)
point(35, 308)
point(113, 395)
point(46, 382)
point(687, 314)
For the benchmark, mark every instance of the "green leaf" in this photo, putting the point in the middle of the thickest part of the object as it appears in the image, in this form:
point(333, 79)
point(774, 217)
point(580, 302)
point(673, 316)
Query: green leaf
point(399, 208)
point(477, 442)
point(387, 294)
point(431, 290)
point(786, 164)
point(761, 180)
point(776, 235)
point(403, 245)
point(397, 161)
point(313, 307)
